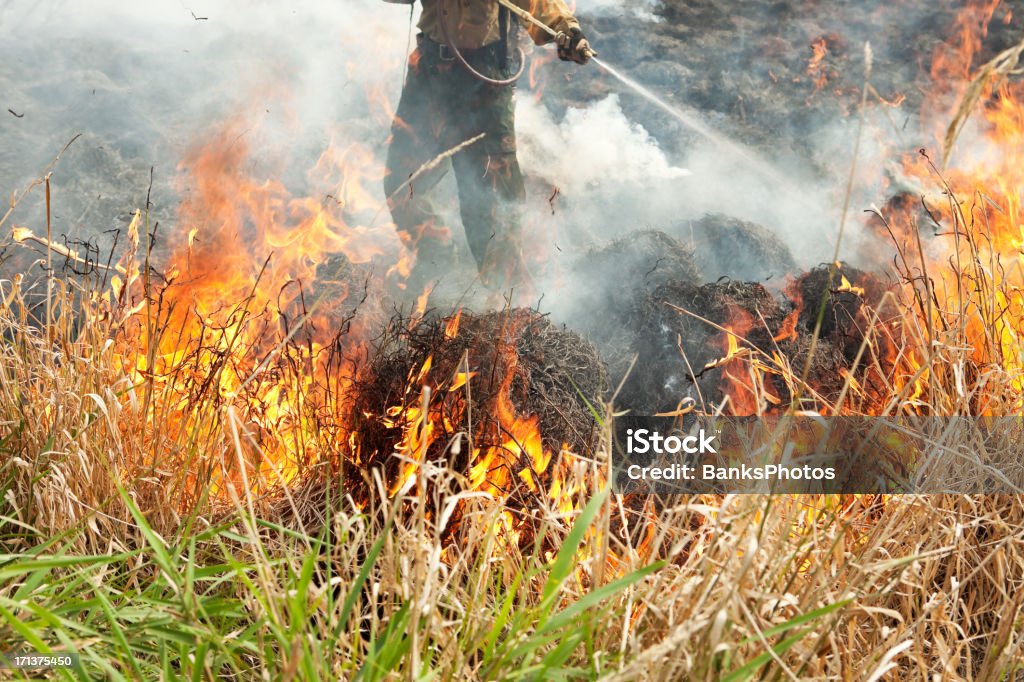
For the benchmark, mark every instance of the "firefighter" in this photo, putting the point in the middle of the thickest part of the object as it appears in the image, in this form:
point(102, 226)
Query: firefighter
point(459, 84)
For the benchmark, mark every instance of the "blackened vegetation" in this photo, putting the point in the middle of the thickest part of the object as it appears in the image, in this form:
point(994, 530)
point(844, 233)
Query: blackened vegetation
point(858, 333)
point(724, 246)
point(842, 311)
point(672, 347)
point(607, 280)
point(639, 260)
point(679, 339)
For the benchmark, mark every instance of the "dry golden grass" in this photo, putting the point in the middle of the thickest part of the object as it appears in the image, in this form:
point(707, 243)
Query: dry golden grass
point(740, 587)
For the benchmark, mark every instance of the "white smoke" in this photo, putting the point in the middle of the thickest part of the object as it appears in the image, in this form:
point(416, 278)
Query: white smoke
point(190, 63)
point(637, 9)
point(144, 82)
point(331, 71)
point(613, 177)
point(591, 148)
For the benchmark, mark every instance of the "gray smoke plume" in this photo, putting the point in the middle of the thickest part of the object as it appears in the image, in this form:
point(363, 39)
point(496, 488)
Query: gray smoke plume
point(145, 82)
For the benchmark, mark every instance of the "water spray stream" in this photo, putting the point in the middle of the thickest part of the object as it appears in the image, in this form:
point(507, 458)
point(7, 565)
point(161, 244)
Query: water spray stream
point(758, 164)
point(763, 167)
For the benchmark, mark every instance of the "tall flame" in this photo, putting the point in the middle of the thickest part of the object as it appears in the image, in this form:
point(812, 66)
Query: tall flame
point(237, 322)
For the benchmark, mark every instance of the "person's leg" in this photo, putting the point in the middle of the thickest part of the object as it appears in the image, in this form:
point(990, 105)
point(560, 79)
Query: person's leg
point(416, 140)
point(491, 188)
point(490, 192)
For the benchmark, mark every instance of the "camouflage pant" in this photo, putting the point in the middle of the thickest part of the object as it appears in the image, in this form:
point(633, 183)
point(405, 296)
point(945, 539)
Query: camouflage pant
point(441, 107)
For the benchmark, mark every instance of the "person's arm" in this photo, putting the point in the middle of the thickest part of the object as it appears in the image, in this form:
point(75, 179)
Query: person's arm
point(554, 13)
point(572, 44)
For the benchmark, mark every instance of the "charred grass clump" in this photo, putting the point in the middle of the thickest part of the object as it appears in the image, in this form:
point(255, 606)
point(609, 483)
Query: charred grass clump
point(608, 279)
point(724, 246)
point(738, 347)
point(845, 336)
point(677, 330)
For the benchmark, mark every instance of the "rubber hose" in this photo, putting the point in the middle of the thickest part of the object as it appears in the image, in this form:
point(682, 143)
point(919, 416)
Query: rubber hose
point(466, 65)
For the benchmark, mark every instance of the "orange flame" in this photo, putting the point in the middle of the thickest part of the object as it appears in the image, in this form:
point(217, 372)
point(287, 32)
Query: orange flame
point(986, 225)
point(237, 322)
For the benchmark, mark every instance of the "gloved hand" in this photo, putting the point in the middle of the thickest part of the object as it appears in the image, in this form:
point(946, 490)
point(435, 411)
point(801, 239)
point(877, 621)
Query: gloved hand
point(573, 46)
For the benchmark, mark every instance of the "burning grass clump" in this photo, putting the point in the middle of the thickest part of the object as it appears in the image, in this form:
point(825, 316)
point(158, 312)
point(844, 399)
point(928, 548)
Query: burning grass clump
point(856, 343)
point(680, 336)
point(735, 346)
point(842, 302)
point(517, 356)
point(501, 397)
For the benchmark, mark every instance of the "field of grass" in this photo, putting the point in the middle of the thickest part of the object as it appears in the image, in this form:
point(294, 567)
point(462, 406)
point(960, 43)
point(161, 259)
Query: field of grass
point(142, 528)
point(112, 546)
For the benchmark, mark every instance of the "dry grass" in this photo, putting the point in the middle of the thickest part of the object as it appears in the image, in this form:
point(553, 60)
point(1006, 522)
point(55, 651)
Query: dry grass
point(140, 531)
point(97, 560)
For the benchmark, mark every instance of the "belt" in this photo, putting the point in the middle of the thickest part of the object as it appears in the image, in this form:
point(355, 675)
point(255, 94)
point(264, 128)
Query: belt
point(443, 53)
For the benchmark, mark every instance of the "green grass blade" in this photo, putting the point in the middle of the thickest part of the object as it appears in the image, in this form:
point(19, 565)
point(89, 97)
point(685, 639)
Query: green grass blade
point(566, 558)
point(747, 671)
point(594, 597)
point(799, 620)
point(356, 588)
